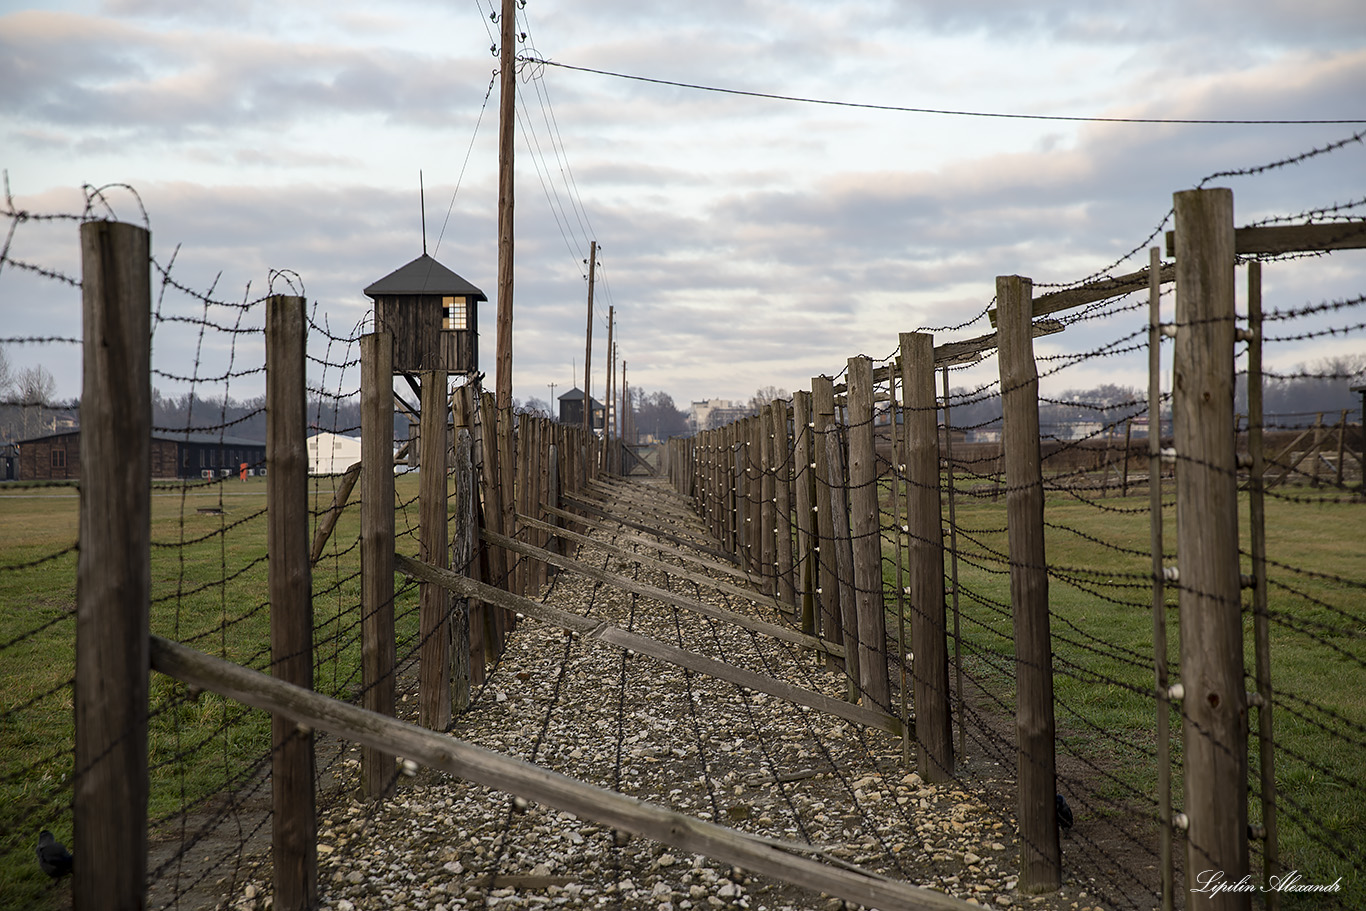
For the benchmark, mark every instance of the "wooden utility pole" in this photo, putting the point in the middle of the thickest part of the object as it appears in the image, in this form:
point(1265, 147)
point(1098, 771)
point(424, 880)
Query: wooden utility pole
point(588, 346)
point(625, 404)
point(506, 121)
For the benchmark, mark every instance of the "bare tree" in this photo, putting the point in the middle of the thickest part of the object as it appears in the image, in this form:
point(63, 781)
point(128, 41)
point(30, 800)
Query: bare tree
point(6, 374)
point(532, 406)
point(34, 387)
point(765, 394)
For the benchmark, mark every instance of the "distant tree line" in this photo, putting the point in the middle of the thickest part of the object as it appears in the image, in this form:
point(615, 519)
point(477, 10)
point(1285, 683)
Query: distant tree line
point(1290, 398)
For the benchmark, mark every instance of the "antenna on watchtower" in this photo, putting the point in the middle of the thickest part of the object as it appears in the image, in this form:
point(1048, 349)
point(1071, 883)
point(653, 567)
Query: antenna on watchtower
point(422, 199)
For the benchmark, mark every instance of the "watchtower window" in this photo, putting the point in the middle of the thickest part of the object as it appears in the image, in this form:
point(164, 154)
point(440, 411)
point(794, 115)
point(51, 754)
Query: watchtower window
point(454, 313)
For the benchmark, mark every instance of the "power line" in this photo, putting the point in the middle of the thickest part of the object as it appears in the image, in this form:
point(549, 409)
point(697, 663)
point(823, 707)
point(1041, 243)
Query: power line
point(914, 110)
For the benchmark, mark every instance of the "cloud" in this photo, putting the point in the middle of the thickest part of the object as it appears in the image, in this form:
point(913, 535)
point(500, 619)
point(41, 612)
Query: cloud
point(745, 242)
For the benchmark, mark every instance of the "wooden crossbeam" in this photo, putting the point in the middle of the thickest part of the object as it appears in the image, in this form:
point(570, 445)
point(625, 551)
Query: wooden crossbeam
point(327, 522)
point(597, 629)
point(1092, 292)
point(675, 570)
point(785, 861)
point(1274, 239)
point(952, 353)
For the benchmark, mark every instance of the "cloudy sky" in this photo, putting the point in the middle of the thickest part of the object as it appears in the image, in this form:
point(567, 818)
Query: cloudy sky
point(745, 241)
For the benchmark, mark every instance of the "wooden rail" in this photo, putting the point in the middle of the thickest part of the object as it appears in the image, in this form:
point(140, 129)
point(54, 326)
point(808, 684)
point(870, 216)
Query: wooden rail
point(596, 629)
point(787, 861)
point(649, 591)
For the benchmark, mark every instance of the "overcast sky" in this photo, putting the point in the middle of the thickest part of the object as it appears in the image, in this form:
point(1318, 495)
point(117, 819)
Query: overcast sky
point(745, 241)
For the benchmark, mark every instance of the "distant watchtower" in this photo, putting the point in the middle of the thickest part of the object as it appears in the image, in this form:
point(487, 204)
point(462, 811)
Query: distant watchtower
point(433, 314)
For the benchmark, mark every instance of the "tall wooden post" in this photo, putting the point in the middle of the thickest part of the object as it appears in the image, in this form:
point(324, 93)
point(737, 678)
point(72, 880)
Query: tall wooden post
point(1034, 724)
point(805, 572)
point(113, 570)
point(378, 650)
point(1214, 726)
point(865, 514)
point(507, 124)
point(827, 579)
point(924, 514)
point(434, 683)
point(294, 822)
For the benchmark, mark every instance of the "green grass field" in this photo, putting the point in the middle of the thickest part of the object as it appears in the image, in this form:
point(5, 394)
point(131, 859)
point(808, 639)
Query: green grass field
point(209, 590)
point(1102, 626)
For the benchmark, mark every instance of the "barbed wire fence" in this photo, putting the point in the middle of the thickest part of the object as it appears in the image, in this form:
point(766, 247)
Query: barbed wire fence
point(1106, 487)
point(839, 469)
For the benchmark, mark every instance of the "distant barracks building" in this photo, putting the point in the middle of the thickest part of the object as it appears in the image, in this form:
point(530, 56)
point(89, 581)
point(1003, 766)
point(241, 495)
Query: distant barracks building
point(57, 457)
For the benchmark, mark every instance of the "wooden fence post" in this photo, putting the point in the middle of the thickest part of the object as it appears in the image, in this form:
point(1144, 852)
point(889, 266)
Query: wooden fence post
point(113, 569)
point(552, 499)
point(493, 509)
point(826, 574)
point(468, 400)
point(865, 514)
point(732, 487)
point(462, 552)
point(804, 480)
point(925, 553)
point(782, 492)
point(953, 568)
point(1036, 776)
point(1215, 704)
point(377, 547)
point(843, 556)
point(294, 821)
point(507, 492)
point(767, 550)
point(1261, 620)
point(434, 664)
point(1159, 598)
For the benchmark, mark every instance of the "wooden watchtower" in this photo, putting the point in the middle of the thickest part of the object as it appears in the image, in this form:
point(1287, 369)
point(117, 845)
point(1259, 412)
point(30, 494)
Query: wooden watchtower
point(433, 314)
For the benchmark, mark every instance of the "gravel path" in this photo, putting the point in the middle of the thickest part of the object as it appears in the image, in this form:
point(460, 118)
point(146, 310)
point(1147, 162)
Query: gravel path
point(678, 740)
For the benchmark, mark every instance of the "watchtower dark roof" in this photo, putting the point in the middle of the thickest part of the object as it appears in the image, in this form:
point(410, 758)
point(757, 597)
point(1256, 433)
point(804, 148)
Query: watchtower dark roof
point(424, 275)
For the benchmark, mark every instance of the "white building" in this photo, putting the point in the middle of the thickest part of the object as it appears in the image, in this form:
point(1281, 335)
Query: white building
point(711, 413)
point(332, 453)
